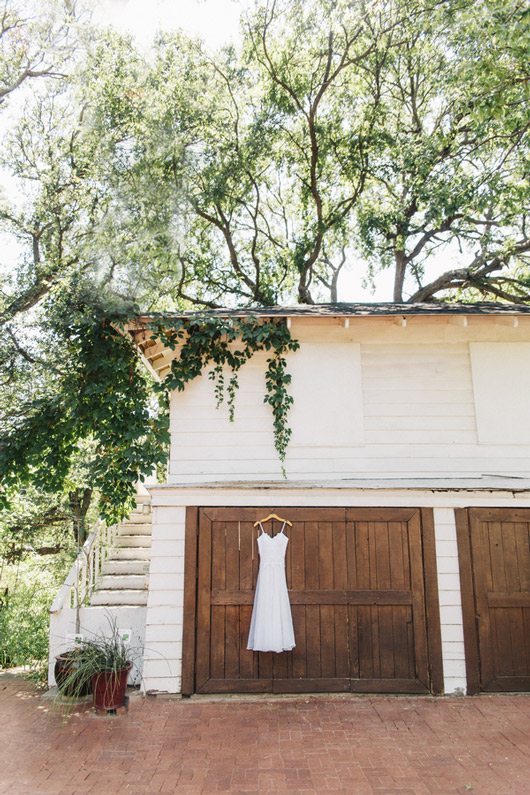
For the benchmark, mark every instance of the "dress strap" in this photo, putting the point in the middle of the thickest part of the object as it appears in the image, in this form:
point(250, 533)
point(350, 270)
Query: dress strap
point(283, 527)
point(261, 528)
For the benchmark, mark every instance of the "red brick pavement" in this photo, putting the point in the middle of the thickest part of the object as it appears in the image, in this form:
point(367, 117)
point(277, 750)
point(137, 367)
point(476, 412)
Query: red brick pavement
point(349, 744)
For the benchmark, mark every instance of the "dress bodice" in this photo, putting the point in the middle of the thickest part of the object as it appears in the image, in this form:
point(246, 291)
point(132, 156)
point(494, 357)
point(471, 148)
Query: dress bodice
point(272, 549)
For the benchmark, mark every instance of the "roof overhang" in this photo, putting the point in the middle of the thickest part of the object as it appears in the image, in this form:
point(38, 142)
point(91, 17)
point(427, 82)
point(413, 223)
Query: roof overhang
point(157, 357)
point(348, 310)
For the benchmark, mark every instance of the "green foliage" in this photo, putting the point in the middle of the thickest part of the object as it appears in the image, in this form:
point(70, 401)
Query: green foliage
point(229, 344)
point(398, 129)
point(26, 592)
point(449, 172)
point(36, 523)
point(251, 176)
point(229, 172)
point(34, 41)
point(277, 379)
point(105, 654)
point(103, 395)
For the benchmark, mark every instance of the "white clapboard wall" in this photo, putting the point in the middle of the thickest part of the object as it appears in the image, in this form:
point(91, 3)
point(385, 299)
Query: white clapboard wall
point(371, 401)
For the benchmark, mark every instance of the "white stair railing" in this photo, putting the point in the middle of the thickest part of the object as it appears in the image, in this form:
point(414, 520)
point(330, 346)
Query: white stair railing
point(82, 578)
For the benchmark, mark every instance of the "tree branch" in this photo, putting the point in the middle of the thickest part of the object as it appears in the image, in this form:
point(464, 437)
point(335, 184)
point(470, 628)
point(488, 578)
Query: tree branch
point(474, 275)
point(23, 76)
point(224, 228)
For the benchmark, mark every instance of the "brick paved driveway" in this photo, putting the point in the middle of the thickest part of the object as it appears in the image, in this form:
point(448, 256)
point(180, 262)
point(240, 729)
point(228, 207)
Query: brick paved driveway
point(304, 745)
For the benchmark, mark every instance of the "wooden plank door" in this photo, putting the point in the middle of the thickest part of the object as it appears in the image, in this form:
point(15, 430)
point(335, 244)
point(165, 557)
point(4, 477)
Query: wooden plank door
point(227, 572)
point(358, 598)
point(494, 547)
point(388, 630)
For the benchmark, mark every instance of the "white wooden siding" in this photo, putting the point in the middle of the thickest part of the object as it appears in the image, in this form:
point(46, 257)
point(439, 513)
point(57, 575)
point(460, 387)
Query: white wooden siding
point(452, 628)
point(164, 616)
point(327, 390)
point(501, 376)
point(205, 444)
point(417, 417)
point(432, 382)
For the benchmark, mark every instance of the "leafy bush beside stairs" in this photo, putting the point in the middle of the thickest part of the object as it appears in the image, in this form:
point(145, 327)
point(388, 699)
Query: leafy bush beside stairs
point(26, 593)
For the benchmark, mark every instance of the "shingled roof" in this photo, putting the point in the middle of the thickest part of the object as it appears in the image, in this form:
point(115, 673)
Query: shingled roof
point(347, 310)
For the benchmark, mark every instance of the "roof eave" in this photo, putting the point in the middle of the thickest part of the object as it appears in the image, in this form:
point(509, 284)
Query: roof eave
point(346, 310)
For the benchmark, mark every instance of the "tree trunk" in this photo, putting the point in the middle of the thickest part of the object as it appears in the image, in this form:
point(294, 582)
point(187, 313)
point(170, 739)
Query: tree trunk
point(399, 276)
point(304, 295)
point(79, 505)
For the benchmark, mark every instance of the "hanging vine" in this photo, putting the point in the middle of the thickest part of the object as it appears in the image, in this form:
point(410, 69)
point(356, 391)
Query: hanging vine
point(103, 395)
point(228, 343)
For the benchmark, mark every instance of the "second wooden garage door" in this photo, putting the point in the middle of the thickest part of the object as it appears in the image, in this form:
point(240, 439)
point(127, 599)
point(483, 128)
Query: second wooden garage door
point(363, 595)
point(494, 548)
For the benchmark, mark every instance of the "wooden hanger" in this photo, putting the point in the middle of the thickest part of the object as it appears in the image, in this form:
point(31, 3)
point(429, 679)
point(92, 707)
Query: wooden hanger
point(272, 516)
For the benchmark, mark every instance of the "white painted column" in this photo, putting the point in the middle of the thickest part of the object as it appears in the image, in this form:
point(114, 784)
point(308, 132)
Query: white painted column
point(452, 627)
point(165, 603)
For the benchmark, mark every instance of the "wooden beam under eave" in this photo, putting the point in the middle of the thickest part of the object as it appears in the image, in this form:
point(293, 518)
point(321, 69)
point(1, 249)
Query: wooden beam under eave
point(511, 321)
point(459, 320)
point(132, 333)
point(153, 351)
point(163, 359)
point(148, 366)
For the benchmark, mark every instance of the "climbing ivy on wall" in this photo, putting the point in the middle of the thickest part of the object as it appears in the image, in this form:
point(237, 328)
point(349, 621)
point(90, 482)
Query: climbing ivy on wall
point(226, 344)
point(102, 393)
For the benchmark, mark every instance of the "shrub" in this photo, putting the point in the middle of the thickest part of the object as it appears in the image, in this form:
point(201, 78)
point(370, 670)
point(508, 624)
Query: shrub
point(27, 591)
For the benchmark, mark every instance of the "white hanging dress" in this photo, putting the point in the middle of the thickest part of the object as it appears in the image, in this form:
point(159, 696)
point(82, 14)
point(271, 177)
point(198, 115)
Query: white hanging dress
point(271, 625)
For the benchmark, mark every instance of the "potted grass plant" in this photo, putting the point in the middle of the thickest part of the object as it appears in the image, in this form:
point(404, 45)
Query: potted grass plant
point(102, 663)
point(68, 682)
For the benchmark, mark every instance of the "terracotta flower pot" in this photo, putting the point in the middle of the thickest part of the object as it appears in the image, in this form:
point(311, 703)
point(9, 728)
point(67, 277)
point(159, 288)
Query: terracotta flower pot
point(109, 687)
point(66, 665)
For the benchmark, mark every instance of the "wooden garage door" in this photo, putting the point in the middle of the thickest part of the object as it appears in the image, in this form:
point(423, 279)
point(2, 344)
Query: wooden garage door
point(494, 547)
point(357, 588)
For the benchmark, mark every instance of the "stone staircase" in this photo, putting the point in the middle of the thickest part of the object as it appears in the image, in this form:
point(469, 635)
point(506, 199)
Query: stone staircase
point(124, 577)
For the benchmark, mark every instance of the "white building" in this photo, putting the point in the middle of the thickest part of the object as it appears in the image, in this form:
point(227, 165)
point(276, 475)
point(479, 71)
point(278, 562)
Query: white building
point(408, 489)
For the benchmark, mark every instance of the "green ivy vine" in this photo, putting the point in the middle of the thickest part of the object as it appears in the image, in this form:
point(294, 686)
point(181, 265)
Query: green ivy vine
point(229, 343)
point(100, 393)
point(103, 394)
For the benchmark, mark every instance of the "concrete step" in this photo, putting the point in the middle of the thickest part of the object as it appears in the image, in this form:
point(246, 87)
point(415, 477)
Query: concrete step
point(119, 597)
point(137, 518)
point(134, 528)
point(124, 582)
point(132, 541)
point(143, 499)
point(132, 553)
point(113, 566)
